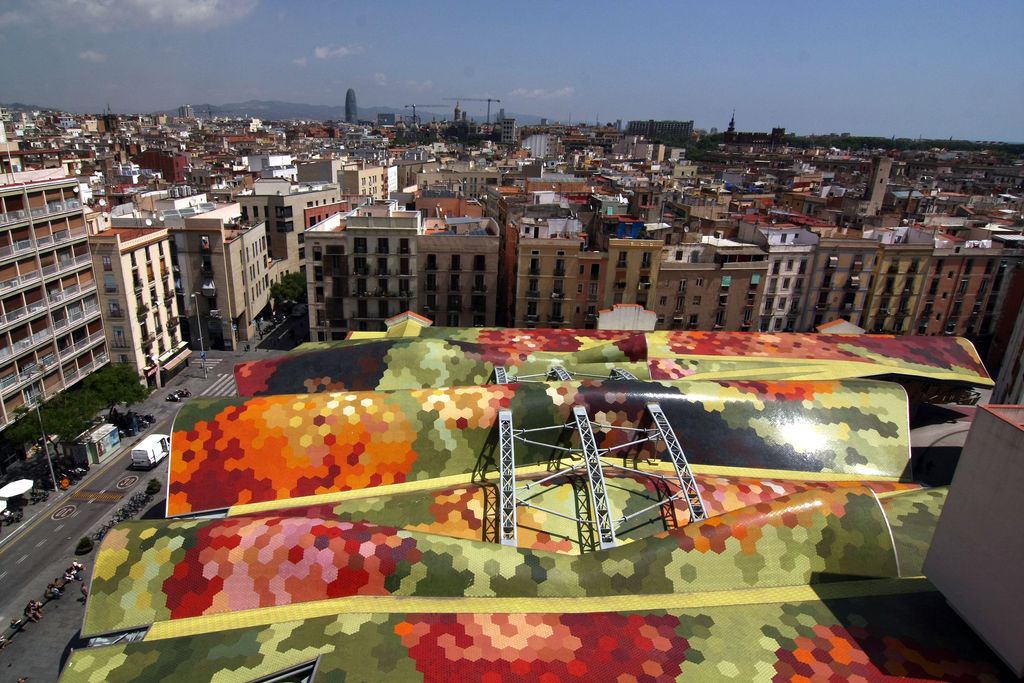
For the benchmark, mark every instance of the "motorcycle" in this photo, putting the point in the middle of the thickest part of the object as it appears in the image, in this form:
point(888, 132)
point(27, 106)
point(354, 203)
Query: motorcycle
point(179, 395)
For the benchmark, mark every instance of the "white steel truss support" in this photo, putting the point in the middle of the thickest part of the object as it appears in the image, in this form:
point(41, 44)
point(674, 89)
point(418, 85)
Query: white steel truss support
point(559, 373)
point(500, 375)
point(619, 373)
point(675, 451)
point(507, 480)
point(595, 473)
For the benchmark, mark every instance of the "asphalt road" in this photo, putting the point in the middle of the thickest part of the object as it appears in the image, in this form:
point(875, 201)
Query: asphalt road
point(38, 549)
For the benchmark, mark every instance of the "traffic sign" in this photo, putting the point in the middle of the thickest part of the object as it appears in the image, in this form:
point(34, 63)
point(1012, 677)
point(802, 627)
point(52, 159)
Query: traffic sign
point(202, 355)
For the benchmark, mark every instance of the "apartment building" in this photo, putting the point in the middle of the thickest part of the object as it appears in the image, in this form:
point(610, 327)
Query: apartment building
point(958, 286)
point(380, 246)
point(140, 315)
point(51, 334)
point(458, 273)
point(711, 284)
point(282, 205)
point(547, 271)
point(840, 281)
point(632, 271)
point(590, 288)
point(367, 180)
point(790, 250)
point(222, 272)
point(901, 265)
point(469, 183)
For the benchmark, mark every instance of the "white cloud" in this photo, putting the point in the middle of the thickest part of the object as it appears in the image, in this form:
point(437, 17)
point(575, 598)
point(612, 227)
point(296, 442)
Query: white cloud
point(330, 52)
point(301, 61)
point(542, 94)
point(92, 56)
point(419, 86)
point(115, 14)
point(380, 79)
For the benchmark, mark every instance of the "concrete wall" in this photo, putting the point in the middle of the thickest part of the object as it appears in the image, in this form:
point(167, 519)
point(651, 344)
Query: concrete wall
point(977, 553)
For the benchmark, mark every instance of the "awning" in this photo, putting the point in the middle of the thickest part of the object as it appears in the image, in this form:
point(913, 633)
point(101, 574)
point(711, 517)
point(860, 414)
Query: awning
point(177, 360)
point(16, 488)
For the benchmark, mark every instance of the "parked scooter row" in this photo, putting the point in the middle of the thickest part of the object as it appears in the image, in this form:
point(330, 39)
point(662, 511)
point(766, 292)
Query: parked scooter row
point(179, 395)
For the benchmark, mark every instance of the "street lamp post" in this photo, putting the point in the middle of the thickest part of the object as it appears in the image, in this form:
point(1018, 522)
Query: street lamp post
point(42, 429)
point(199, 331)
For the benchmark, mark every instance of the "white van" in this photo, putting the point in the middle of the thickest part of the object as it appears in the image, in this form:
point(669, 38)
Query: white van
point(151, 450)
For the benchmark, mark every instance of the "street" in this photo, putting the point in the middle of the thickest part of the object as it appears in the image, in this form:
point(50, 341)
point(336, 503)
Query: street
point(42, 546)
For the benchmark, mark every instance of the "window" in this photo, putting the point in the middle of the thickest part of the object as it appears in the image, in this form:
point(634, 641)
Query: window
point(776, 267)
point(699, 282)
point(645, 261)
point(696, 300)
point(726, 281)
point(663, 300)
point(107, 264)
point(479, 262)
point(456, 262)
point(382, 245)
point(595, 270)
point(592, 292)
point(359, 245)
point(622, 260)
point(755, 280)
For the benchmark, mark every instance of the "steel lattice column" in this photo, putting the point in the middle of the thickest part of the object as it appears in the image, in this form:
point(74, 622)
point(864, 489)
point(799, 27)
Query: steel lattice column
point(675, 451)
point(619, 373)
point(598, 491)
point(500, 375)
point(507, 480)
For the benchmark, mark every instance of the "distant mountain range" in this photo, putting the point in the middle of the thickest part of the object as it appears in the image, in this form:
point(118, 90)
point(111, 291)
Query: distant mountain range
point(275, 110)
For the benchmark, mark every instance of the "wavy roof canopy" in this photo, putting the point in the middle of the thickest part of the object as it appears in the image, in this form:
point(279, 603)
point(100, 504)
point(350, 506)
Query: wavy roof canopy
point(343, 518)
point(226, 452)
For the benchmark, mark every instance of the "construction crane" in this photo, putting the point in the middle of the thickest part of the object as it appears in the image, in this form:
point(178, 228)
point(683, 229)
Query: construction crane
point(415, 119)
point(488, 100)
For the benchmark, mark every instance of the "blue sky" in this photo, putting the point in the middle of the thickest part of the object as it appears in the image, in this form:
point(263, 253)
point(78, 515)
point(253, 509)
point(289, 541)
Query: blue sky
point(936, 69)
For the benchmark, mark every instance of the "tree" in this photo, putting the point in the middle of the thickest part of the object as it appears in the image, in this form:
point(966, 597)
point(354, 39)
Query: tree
point(114, 385)
point(291, 287)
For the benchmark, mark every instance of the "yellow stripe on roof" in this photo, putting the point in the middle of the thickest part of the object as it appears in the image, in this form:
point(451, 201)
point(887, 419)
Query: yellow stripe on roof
point(193, 626)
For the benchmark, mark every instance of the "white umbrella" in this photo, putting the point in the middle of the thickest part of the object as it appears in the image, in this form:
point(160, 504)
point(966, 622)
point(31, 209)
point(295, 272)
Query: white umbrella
point(3, 505)
point(16, 488)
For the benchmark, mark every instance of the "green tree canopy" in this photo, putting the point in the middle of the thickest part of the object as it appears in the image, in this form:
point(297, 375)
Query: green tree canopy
point(291, 287)
point(114, 385)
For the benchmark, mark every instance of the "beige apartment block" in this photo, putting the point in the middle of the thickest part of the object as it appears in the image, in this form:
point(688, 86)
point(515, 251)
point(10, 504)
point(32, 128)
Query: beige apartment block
point(458, 273)
point(716, 284)
point(896, 288)
point(469, 183)
point(632, 271)
point(282, 206)
point(546, 281)
point(140, 313)
point(371, 181)
point(840, 281)
point(223, 273)
point(381, 252)
point(51, 334)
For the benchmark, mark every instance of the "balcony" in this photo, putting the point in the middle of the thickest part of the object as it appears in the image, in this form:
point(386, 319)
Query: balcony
point(19, 247)
point(115, 313)
point(532, 294)
point(558, 295)
point(19, 281)
point(479, 289)
point(430, 266)
point(50, 208)
point(556, 319)
point(534, 271)
point(209, 288)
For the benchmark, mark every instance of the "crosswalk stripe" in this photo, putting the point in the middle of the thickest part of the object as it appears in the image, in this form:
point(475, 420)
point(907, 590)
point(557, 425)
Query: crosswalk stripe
point(224, 385)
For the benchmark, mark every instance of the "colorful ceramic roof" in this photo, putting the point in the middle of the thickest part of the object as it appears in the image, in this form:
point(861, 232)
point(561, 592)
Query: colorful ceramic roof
point(456, 356)
point(226, 452)
point(357, 538)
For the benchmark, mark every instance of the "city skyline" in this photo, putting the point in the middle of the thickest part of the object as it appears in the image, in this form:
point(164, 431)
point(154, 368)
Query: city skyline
point(808, 68)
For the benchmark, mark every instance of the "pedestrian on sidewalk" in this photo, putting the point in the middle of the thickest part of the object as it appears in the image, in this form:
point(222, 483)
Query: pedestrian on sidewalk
point(85, 592)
